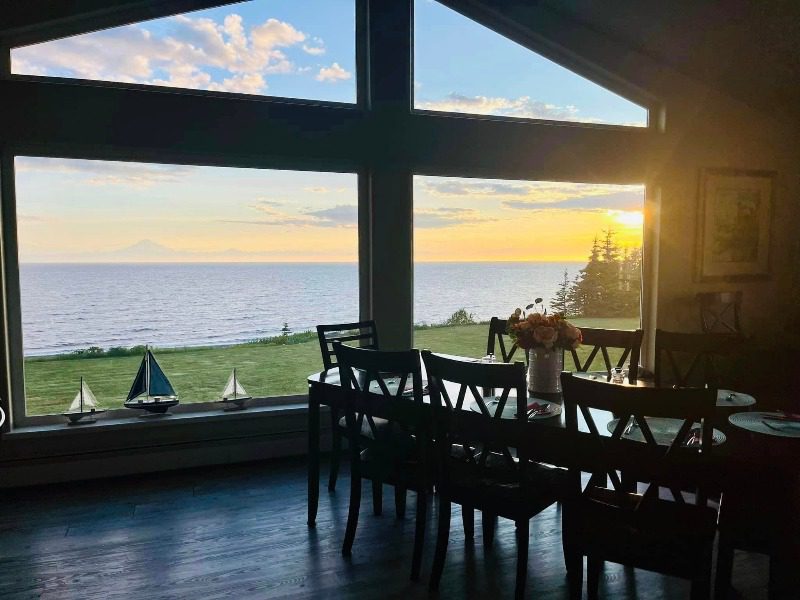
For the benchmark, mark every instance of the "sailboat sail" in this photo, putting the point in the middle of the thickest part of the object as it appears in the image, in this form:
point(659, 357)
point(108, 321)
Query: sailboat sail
point(233, 388)
point(139, 386)
point(89, 401)
point(159, 384)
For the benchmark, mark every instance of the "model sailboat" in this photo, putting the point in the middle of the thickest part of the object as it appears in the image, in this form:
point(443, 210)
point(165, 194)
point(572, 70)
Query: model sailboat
point(234, 396)
point(84, 406)
point(151, 390)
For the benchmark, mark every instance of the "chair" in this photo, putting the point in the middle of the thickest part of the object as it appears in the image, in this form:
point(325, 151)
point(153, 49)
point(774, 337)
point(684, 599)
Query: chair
point(376, 387)
point(497, 336)
point(674, 537)
point(719, 312)
point(476, 467)
point(600, 340)
point(693, 359)
point(365, 334)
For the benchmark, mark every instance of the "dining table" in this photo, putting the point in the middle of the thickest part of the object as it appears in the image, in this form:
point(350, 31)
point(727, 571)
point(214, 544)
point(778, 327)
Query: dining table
point(744, 458)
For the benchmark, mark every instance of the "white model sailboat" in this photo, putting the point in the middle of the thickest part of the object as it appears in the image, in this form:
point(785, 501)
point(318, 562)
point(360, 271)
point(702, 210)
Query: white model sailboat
point(234, 395)
point(151, 390)
point(84, 406)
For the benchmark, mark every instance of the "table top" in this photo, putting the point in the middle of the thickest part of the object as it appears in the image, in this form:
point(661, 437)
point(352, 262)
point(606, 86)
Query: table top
point(766, 423)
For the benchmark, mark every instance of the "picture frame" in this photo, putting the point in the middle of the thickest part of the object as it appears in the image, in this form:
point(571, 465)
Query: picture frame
point(734, 224)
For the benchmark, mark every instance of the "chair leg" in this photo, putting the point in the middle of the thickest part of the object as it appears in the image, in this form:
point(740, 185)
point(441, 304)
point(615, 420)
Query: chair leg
point(419, 533)
point(523, 534)
point(593, 567)
point(722, 583)
point(336, 450)
point(377, 498)
point(573, 560)
point(468, 519)
point(400, 501)
point(442, 538)
point(701, 587)
point(488, 524)
point(352, 513)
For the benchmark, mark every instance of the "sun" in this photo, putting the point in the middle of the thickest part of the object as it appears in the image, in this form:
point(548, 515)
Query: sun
point(631, 219)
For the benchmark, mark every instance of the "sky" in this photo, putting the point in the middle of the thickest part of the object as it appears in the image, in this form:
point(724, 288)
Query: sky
point(79, 210)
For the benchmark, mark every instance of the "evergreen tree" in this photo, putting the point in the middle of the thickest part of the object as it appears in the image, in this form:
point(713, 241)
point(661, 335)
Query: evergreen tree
point(561, 300)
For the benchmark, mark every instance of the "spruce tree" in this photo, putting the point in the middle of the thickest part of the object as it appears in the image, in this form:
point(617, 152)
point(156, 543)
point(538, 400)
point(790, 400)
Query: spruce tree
point(561, 299)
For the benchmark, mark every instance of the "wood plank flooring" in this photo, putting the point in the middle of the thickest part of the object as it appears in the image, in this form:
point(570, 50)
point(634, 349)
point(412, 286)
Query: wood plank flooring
point(240, 532)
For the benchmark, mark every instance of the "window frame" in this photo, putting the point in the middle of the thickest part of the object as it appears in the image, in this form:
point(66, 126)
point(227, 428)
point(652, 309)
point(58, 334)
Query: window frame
point(13, 305)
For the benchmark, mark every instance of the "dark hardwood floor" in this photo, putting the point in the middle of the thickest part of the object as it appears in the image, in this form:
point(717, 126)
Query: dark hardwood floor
point(240, 532)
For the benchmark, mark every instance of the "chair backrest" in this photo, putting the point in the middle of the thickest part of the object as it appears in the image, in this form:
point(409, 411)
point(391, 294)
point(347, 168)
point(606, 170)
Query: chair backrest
point(497, 339)
point(693, 359)
point(598, 341)
point(363, 333)
point(680, 465)
point(464, 415)
point(719, 312)
point(385, 385)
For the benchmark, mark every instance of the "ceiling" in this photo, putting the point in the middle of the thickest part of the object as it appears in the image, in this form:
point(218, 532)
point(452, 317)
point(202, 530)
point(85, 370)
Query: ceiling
point(748, 49)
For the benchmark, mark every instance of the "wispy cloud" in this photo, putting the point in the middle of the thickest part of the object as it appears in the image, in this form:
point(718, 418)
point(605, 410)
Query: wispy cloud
point(192, 54)
point(333, 74)
point(446, 216)
point(341, 215)
point(618, 201)
point(520, 107)
point(100, 173)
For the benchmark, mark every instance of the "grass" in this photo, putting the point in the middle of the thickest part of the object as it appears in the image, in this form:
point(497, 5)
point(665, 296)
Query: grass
point(268, 368)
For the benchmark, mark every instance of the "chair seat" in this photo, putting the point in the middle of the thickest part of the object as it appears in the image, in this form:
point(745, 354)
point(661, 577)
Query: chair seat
point(366, 430)
point(659, 535)
point(498, 486)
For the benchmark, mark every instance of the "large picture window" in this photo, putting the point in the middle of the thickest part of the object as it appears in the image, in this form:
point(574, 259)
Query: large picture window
point(267, 47)
point(214, 268)
point(485, 247)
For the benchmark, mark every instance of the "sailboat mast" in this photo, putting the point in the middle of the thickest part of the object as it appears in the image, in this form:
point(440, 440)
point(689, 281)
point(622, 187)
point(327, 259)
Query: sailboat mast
point(81, 393)
point(147, 370)
point(235, 383)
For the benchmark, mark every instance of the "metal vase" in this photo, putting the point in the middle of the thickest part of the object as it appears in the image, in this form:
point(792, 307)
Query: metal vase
point(544, 370)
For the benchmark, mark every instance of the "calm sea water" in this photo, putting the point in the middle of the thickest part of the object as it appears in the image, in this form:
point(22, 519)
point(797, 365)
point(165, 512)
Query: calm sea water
point(68, 307)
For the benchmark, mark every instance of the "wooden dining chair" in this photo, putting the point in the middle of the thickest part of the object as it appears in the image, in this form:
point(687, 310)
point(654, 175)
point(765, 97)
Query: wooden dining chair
point(363, 334)
point(483, 460)
point(498, 336)
point(694, 359)
point(648, 530)
point(626, 344)
point(387, 386)
point(720, 312)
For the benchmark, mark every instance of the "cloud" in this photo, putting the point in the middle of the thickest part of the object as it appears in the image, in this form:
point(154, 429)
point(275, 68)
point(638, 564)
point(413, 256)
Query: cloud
point(341, 215)
point(314, 50)
point(521, 107)
point(318, 189)
point(460, 187)
point(95, 172)
point(195, 52)
point(434, 218)
point(631, 200)
point(333, 74)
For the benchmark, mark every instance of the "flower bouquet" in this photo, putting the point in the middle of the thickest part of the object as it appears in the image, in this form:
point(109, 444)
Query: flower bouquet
point(544, 337)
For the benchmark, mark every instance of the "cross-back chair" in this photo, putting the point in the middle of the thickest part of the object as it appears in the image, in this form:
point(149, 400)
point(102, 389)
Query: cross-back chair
point(386, 386)
point(720, 312)
point(497, 339)
point(646, 530)
point(483, 460)
point(363, 334)
point(600, 340)
point(693, 359)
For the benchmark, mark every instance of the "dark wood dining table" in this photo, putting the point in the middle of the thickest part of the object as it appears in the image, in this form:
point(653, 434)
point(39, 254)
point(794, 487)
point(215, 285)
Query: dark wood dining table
point(746, 460)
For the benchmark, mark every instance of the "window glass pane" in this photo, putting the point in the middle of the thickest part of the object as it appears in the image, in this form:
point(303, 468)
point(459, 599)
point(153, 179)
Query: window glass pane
point(485, 247)
point(216, 268)
point(282, 48)
point(461, 66)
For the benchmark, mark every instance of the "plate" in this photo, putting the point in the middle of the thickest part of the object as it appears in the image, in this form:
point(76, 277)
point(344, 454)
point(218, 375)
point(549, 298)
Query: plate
point(755, 422)
point(733, 399)
point(549, 409)
point(664, 431)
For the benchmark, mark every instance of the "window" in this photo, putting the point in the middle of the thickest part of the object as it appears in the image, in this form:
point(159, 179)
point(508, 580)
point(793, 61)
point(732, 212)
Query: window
point(485, 247)
point(215, 268)
point(277, 48)
point(461, 66)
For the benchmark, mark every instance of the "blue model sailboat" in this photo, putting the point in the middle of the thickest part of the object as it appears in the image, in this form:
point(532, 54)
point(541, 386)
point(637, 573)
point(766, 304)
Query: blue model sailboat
point(151, 390)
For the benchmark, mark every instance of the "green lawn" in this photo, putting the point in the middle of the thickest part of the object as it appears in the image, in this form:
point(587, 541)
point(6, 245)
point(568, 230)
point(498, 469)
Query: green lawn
point(199, 374)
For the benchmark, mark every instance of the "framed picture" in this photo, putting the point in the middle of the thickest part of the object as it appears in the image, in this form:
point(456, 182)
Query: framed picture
point(734, 224)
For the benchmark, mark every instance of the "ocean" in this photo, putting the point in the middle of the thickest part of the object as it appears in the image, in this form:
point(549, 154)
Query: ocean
point(67, 307)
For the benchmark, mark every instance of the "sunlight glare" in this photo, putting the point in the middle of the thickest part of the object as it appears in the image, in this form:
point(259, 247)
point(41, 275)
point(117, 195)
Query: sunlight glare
point(633, 219)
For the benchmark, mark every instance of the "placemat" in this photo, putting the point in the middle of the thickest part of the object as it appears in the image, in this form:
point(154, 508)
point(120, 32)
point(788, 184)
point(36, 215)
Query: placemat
point(664, 430)
point(550, 409)
point(755, 422)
